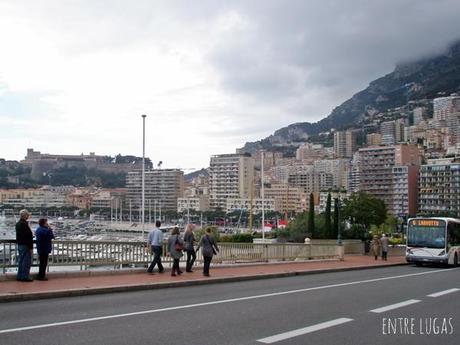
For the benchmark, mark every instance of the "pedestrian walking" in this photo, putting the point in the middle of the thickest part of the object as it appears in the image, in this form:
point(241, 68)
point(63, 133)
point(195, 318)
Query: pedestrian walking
point(384, 241)
point(209, 248)
point(175, 248)
point(44, 235)
point(155, 241)
point(375, 246)
point(189, 239)
point(25, 242)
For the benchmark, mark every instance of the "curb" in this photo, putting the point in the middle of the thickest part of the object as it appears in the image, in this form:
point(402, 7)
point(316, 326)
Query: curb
point(137, 270)
point(163, 285)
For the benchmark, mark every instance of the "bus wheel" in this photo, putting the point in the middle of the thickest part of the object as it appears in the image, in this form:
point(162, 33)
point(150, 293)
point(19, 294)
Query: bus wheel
point(418, 264)
point(456, 260)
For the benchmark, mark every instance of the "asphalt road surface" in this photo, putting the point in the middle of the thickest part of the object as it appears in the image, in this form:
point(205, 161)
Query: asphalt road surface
point(393, 305)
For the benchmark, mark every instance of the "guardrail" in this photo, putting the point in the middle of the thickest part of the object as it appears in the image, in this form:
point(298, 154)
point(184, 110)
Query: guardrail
point(110, 253)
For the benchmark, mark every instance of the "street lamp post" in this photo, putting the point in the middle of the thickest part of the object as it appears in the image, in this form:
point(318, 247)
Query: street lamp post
point(339, 235)
point(262, 192)
point(143, 173)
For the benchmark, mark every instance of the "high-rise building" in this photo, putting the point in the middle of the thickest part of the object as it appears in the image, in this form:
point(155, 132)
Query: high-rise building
point(345, 143)
point(231, 176)
point(290, 199)
point(312, 182)
point(439, 188)
point(420, 113)
point(443, 106)
point(337, 168)
point(374, 139)
point(162, 188)
point(387, 130)
point(388, 173)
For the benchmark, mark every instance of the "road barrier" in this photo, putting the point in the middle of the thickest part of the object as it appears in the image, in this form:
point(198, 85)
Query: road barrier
point(87, 254)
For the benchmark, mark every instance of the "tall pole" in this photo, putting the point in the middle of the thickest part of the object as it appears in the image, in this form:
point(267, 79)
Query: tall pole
point(159, 210)
point(143, 173)
point(262, 192)
point(150, 211)
point(121, 211)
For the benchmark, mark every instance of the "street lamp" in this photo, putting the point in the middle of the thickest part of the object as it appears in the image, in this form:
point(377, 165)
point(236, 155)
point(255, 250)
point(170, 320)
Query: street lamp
point(339, 235)
point(143, 173)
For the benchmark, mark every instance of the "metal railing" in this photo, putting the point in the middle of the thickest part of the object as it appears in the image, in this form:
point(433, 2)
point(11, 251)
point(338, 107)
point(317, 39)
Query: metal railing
point(110, 253)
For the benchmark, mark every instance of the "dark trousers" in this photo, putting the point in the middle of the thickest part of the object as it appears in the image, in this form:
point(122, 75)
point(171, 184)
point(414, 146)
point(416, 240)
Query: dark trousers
point(43, 257)
point(24, 261)
point(384, 255)
point(207, 263)
point(175, 267)
point(191, 256)
point(157, 252)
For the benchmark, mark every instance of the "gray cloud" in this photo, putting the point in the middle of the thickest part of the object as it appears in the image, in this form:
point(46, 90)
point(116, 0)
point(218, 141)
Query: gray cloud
point(333, 47)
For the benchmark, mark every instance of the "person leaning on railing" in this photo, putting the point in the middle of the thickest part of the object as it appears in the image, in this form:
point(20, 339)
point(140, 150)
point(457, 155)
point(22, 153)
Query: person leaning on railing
point(25, 242)
point(44, 235)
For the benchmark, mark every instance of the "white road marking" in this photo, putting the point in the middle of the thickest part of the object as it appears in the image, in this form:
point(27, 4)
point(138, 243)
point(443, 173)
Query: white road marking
point(302, 331)
point(231, 300)
point(442, 293)
point(395, 306)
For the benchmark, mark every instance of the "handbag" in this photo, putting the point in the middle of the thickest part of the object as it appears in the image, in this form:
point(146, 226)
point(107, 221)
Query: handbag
point(178, 246)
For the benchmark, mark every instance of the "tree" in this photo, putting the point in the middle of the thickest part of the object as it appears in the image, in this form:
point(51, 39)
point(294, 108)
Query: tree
point(327, 218)
point(335, 227)
point(362, 210)
point(311, 216)
point(298, 228)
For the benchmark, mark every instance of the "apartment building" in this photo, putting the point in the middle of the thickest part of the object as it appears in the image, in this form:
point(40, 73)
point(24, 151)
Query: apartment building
point(439, 188)
point(292, 199)
point(231, 176)
point(162, 187)
point(345, 144)
point(199, 203)
point(381, 174)
point(270, 204)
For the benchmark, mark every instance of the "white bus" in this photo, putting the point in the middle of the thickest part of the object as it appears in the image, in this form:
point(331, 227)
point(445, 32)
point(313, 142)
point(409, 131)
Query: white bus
point(433, 240)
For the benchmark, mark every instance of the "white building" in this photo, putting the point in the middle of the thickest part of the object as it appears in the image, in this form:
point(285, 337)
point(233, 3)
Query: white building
point(235, 205)
point(197, 203)
point(231, 176)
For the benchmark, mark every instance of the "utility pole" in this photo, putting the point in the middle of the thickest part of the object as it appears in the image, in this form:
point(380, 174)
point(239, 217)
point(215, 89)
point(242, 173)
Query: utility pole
point(262, 192)
point(143, 174)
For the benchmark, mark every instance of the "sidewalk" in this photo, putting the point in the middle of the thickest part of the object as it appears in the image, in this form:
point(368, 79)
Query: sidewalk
point(86, 285)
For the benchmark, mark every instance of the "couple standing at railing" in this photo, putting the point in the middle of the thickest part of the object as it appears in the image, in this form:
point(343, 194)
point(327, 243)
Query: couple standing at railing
point(176, 246)
point(25, 241)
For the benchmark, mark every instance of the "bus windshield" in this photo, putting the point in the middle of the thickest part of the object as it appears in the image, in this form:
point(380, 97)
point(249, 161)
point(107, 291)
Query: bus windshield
point(426, 236)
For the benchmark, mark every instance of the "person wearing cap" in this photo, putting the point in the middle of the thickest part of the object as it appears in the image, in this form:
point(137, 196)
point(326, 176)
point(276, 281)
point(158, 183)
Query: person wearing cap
point(25, 242)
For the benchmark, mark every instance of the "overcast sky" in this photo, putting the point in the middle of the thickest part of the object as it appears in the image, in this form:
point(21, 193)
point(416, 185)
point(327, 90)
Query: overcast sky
point(75, 76)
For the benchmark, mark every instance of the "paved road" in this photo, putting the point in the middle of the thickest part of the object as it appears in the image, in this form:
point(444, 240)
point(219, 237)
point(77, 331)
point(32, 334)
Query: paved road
point(378, 306)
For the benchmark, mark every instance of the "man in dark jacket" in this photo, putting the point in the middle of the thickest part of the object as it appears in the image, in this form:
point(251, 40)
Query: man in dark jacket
point(25, 242)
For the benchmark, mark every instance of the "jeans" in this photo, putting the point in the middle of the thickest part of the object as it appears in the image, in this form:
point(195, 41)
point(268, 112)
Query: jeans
point(43, 263)
point(157, 251)
point(24, 261)
point(175, 268)
point(191, 256)
point(384, 255)
point(207, 263)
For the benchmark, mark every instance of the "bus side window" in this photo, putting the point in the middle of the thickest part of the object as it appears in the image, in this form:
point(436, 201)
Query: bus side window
point(454, 234)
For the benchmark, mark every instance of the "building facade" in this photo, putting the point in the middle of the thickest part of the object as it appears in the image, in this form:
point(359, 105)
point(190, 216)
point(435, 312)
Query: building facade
point(231, 176)
point(162, 188)
point(439, 188)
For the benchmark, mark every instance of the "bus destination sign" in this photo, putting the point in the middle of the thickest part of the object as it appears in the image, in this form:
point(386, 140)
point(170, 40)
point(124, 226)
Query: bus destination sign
point(426, 222)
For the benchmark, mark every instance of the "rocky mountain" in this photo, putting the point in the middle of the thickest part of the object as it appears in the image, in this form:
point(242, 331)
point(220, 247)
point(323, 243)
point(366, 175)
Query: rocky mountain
point(424, 79)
